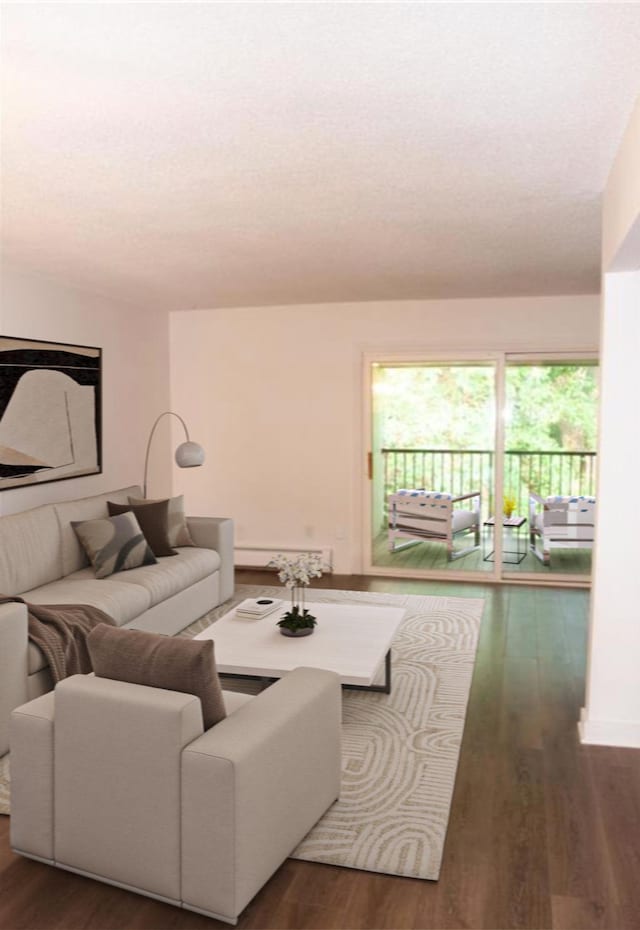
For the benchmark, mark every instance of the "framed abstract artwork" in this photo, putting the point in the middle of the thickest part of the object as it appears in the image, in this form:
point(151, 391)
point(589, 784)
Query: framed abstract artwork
point(50, 411)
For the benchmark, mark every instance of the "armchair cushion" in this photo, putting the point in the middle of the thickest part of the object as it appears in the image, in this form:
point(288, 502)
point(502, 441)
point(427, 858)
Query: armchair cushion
point(175, 664)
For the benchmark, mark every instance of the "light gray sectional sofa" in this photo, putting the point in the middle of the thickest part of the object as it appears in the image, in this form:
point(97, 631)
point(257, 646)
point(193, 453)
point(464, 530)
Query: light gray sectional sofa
point(42, 561)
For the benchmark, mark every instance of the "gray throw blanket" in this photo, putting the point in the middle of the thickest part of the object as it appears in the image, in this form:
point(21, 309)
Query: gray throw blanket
point(60, 631)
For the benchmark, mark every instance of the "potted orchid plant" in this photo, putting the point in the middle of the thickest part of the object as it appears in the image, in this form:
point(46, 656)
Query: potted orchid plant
point(295, 573)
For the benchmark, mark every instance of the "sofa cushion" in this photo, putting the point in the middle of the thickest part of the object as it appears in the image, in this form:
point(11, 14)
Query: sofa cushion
point(172, 575)
point(35, 659)
point(153, 517)
point(123, 602)
point(174, 664)
point(86, 508)
point(29, 550)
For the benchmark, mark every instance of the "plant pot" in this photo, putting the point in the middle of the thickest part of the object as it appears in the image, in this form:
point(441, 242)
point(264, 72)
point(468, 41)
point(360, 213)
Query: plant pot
point(304, 631)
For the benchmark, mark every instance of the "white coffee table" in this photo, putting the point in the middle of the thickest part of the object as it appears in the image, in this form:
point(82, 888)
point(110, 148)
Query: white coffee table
point(350, 639)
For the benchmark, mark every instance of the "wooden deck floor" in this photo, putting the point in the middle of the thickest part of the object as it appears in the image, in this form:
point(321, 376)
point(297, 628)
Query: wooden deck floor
point(432, 556)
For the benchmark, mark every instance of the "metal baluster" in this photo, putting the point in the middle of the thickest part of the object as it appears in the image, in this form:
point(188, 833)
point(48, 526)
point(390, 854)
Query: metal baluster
point(572, 461)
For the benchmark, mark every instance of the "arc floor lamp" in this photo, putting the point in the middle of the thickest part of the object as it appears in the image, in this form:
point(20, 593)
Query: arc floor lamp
point(188, 454)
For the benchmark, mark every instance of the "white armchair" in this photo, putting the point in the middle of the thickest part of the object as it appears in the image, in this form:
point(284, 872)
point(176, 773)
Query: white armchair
point(119, 782)
point(558, 522)
point(419, 516)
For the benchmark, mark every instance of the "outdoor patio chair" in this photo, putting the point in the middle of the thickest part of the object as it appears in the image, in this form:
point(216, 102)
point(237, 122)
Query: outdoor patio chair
point(431, 516)
point(559, 522)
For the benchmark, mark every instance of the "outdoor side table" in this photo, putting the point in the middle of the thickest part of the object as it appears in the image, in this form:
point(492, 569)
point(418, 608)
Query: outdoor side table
point(515, 540)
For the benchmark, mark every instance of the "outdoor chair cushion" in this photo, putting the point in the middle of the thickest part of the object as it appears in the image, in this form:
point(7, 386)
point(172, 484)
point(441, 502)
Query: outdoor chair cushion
point(463, 520)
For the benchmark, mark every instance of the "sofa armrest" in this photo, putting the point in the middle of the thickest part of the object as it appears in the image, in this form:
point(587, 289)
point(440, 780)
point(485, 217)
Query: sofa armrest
point(535, 502)
point(464, 497)
point(32, 777)
point(14, 665)
point(216, 533)
point(117, 780)
point(254, 785)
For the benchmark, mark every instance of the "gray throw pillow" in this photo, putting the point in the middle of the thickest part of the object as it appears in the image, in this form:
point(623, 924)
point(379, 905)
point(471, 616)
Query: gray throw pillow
point(175, 664)
point(179, 534)
point(114, 544)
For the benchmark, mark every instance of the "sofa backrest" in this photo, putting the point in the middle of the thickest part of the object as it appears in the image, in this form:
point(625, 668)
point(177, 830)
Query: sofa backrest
point(39, 546)
point(85, 508)
point(29, 550)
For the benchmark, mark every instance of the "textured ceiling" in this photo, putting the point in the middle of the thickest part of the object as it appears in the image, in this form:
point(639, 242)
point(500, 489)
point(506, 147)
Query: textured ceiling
point(201, 155)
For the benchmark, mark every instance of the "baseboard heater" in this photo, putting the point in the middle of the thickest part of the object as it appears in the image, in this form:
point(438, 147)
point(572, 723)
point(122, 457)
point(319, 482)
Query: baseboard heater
point(260, 556)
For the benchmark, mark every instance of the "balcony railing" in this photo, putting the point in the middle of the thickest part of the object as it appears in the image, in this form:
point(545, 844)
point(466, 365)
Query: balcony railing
point(458, 471)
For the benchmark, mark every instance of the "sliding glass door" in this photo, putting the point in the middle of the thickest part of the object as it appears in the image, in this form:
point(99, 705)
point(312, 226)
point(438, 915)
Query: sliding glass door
point(432, 481)
point(448, 439)
point(550, 438)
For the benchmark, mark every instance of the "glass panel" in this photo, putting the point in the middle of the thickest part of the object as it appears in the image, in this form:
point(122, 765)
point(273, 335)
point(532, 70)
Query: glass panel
point(550, 465)
point(433, 434)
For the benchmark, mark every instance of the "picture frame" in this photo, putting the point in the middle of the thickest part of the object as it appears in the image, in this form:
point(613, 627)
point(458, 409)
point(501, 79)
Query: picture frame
point(50, 411)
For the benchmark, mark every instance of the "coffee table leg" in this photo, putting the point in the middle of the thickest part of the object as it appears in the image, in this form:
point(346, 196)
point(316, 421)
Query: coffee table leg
point(261, 679)
point(383, 689)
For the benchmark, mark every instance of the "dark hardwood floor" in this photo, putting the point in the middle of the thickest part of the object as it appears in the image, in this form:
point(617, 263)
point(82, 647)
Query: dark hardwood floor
point(544, 832)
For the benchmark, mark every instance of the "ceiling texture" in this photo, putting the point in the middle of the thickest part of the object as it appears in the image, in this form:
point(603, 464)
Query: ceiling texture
point(191, 155)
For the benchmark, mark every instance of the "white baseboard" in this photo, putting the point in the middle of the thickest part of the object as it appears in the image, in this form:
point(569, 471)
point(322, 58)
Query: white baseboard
point(624, 733)
point(247, 556)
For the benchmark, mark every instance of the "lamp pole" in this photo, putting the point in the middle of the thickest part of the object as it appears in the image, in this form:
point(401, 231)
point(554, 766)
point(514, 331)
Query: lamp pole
point(166, 413)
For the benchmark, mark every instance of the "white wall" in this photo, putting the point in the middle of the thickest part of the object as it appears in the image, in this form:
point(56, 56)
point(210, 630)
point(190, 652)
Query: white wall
point(612, 712)
point(612, 715)
point(135, 382)
point(275, 395)
point(621, 208)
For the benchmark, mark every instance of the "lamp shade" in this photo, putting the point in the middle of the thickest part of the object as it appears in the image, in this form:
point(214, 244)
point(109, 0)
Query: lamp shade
point(189, 455)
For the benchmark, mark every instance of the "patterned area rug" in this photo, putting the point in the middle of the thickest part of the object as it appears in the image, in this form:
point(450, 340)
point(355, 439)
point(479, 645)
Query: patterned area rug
point(400, 751)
